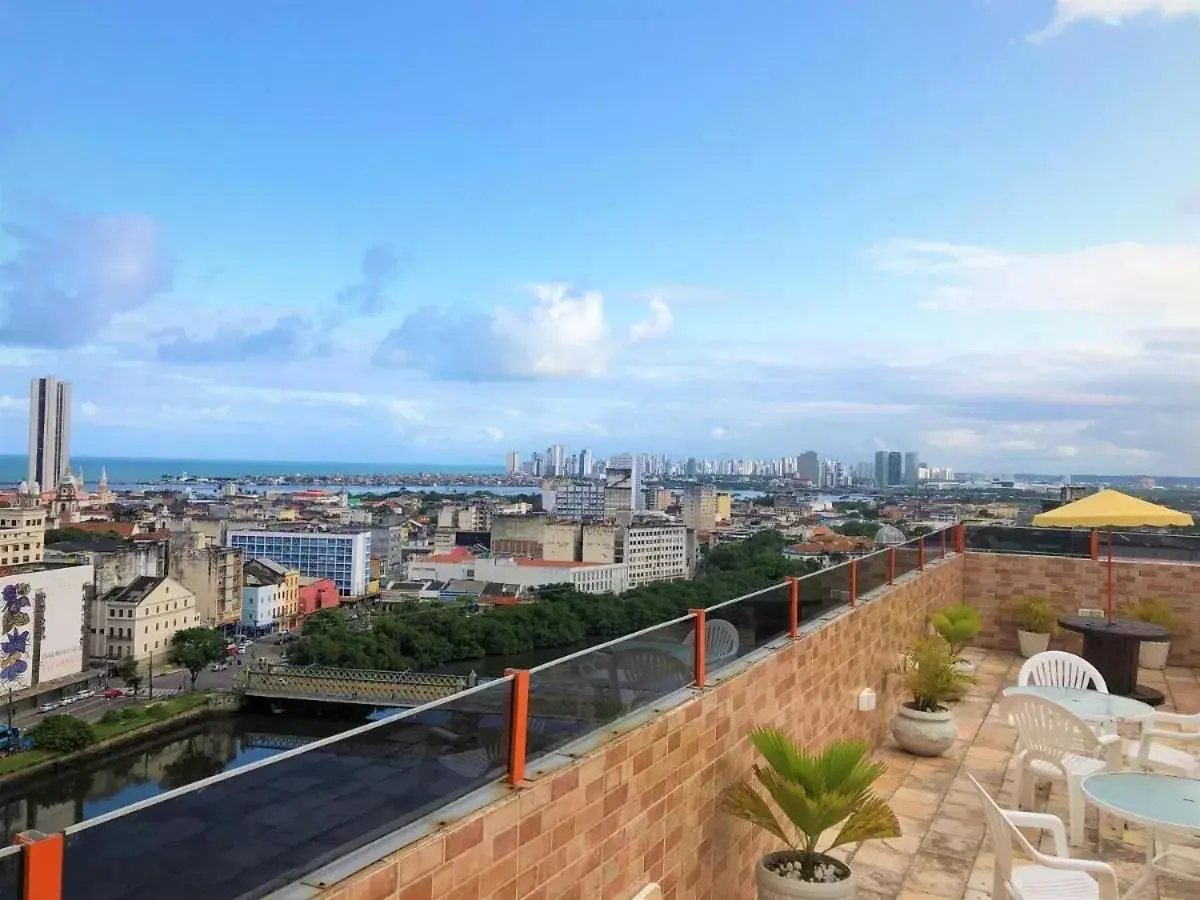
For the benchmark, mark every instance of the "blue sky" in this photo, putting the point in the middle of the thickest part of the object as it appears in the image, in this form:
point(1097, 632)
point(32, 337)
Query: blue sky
point(432, 231)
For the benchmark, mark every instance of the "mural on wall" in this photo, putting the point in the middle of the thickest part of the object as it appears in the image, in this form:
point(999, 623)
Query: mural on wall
point(14, 636)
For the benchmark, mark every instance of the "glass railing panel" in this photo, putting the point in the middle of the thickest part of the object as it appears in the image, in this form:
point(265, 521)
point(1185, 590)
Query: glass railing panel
point(823, 591)
point(908, 557)
point(1151, 545)
point(271, 824)
point(581, 693)
point(1043, 541)
point(760, 618)
point(872, 572)
point(10, 873)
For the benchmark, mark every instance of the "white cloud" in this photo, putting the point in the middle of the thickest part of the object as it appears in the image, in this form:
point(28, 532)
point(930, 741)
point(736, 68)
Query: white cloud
point(1143, 283)
point(720, 433)
point(563, 335)
point(89, 409)
point(1111, 12)
point(660, 322)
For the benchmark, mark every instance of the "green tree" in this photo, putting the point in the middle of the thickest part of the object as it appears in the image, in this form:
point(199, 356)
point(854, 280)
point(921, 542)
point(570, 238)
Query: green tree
point(127, 670)
point(62, 734)
point(195, 648)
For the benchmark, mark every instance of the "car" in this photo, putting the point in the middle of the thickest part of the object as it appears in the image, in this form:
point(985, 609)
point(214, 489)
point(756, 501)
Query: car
point(113, 693)
point(82, 695)
point(48, 707)
point(67, 701)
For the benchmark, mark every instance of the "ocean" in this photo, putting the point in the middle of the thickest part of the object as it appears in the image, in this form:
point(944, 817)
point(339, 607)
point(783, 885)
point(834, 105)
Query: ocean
point(132, 470)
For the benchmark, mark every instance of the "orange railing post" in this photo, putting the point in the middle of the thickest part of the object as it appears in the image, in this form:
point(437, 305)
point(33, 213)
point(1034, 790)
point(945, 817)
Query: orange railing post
point(41, 865)
point(944, 530)
point(793, 606)
point(891, 560)
point(519, 725)
point(1094, 544)
point(701, 635)
point(853, 582)
point(960, 538)
point(921, 553)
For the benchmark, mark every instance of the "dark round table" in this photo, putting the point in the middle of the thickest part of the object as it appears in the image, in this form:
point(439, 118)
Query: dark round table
point(1112, 647)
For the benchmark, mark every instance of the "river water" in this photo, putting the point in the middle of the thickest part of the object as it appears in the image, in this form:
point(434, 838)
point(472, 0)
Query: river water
point(198, 751)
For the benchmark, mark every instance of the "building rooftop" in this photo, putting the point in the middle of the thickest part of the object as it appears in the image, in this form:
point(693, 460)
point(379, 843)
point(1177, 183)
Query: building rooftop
point(136, 591)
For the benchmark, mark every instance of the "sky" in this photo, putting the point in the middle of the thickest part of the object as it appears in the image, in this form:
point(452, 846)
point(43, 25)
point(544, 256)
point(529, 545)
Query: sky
point(435, 231)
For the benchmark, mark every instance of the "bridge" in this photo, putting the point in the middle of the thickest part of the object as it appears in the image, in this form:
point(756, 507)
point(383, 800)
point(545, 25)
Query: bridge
point(368, 687)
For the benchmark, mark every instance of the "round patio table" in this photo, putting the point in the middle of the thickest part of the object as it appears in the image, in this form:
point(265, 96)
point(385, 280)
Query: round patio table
point(1112, 647)
point(1091, 706)
point(1159, 803)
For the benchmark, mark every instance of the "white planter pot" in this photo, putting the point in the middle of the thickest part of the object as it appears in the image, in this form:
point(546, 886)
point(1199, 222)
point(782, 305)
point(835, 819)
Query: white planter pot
point(777, 887)
point(1153, 654)
point(924, 733)
point(1032, 642)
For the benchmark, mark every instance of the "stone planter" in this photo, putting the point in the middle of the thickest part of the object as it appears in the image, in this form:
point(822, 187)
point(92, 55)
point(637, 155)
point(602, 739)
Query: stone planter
point(924, 733)
point(1032, 642)
point(778, 887)
point(1153, 654)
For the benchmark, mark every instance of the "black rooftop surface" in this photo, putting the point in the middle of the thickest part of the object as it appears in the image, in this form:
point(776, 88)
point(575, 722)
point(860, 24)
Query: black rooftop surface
point(136, 591)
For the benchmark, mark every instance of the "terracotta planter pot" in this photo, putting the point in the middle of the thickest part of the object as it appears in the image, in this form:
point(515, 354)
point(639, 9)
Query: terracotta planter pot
point(924, 733)
point(1153, 654)
point(1032, 642)
point(779, 887)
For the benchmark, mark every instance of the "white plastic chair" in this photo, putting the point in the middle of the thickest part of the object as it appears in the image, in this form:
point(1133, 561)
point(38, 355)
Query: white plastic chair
point(649, 892)
point(1150, 754)
point(1056, 877)
point(1059, 746)
point(1061, 669)
point(721, 641)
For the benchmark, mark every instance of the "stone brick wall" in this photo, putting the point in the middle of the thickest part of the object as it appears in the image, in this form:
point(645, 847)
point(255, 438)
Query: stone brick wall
point(991, 581)
point(643, 808)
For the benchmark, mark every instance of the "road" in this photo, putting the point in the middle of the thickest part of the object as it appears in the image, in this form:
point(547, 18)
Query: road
point(165, 685)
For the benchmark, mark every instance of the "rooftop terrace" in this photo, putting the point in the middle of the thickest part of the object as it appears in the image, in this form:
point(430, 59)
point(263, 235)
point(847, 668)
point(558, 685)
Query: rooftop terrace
point(594, 774)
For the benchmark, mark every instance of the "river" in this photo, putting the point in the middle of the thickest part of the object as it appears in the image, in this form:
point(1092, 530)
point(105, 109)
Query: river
point(121, 778)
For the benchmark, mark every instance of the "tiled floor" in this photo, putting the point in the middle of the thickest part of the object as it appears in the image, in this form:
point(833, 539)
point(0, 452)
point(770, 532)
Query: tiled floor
point(944, 853)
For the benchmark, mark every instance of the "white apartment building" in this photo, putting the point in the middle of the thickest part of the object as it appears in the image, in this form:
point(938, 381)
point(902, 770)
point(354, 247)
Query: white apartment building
point(342, 555)
point(23, 531)
point(654, 552)
point(49, 431)
point(590, 578)
point(575, 499)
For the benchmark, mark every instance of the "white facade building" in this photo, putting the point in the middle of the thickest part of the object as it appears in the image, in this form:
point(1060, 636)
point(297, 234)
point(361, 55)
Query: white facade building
point(575, 499)
point(590, 578)
point(42, 615)
point(623, 485)
point(258, 606)
point(344, 556)
point(656, 553)
point(49, 431)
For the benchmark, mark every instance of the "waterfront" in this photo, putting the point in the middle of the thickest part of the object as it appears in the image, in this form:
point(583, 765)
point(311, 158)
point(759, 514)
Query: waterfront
point(197, 751)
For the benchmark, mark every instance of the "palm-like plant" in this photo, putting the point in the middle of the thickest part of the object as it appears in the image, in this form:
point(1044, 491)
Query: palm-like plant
point(958, 624)
point(816, 793)
point(930, 675)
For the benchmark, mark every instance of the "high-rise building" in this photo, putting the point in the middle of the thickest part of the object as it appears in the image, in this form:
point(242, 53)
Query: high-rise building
point(895, 468)
point(881, 459)
point(699, 508)
point(585, 463)
point(49, 431)
point(912, 468)
point(808, 467)
point(622, 484)
point(512, 462)
point(556, 461)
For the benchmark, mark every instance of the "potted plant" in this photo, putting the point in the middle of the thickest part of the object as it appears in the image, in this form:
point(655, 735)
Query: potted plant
point(1156, 611)
point(924, 726)
point(958, 624)
point(815, 792)
point(1037, 622)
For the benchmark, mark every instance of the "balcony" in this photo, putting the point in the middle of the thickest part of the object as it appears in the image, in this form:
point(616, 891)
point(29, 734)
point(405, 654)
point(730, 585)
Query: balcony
point(596, 773)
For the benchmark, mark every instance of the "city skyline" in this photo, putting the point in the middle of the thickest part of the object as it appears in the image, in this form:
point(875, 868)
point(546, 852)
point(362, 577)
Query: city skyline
point(974, 238)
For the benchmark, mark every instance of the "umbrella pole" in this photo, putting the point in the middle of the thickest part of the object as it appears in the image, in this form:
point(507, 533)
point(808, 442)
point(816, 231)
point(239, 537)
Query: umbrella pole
point(1111, 604)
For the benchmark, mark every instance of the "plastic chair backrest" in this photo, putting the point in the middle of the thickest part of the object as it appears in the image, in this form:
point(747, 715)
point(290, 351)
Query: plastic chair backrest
point(1003, 833)
point(649, 892)
point(1061, 669)
point(721, 640)
point(1048, 731)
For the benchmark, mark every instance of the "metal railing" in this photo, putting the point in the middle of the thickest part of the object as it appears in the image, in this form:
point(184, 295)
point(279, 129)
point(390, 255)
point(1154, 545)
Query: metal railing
point(251, 830)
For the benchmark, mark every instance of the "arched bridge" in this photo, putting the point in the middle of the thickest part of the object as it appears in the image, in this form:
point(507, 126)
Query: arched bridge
point(366, 686)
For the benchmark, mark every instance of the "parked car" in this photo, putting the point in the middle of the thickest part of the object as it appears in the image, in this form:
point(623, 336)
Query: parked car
point(113, 693)
point(85, 694)
point(48, 707)
point(67, 701)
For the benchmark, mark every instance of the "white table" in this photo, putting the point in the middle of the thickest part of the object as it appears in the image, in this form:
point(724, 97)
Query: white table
point(1159, 803)
point(1091, 706)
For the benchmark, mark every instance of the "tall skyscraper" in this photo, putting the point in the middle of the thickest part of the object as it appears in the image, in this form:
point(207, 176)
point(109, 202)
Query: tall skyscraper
point(585, 463)
point(623, 484)
point(881, 458)
point(556, 461)
point(895, 467)
point(808, 467)
point(512, 462)
point(911, 469)
point(49, 431)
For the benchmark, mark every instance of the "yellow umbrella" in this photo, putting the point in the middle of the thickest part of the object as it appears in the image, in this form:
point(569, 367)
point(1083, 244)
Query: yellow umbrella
point(1111, 509)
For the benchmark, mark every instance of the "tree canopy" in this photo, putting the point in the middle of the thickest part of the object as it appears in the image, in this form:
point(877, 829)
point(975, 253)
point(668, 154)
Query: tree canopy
point(62, 734)
point(195, 648)
point(425, 636)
